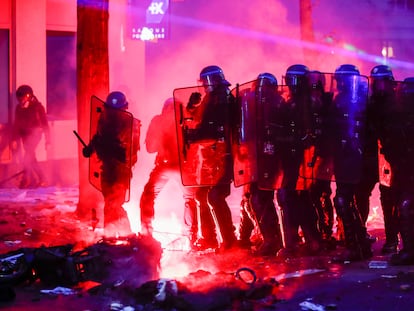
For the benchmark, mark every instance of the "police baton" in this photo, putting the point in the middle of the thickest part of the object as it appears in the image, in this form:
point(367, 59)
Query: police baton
point(79, 138)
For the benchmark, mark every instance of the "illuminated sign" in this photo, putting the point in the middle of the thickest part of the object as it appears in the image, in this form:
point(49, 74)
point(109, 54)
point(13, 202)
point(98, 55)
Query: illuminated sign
point(149, 19)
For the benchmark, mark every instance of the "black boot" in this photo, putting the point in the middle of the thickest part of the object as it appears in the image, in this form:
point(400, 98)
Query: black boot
point(268, 222)
point(272, 238)
point(391, 225)
point(406, 209)
point(191, 219)
point(357, 246)
point(246, 223)
point(309, 224)
point(220, 209)
point(288, 201)
point(208, 239)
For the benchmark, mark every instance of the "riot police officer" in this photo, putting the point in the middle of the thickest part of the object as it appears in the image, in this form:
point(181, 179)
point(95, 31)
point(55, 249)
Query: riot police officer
point(398, 149)
point(382, 94)
point(380, 91)
point(346, 125)
point(116, 145)
point(320, 102)
point(295, 201)
point(204, 142)
point(258, 208)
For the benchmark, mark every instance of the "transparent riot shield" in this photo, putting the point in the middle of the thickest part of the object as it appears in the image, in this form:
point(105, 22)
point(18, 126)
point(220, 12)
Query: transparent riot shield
point(346, 126)
point(397, 143)
point(318, 155)
point(111, 133)
point(244, 143)
point(271, 139)
point(202, 123)
point(280, 151)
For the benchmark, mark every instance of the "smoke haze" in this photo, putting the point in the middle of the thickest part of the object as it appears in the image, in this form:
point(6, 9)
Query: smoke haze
point(247, 37)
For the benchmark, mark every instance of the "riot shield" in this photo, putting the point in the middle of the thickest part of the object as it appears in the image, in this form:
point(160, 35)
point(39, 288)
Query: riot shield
point(346, 124)
point(244, 141)
point(202, 123)
point(383, 100)
point(318, 161)
point(271, 138)
point(397, 137)
point(280, 149)
point(111, 133)
point(260, 139)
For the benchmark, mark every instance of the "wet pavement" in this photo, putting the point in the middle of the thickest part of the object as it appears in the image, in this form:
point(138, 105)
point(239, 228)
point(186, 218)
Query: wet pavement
point(207, 281)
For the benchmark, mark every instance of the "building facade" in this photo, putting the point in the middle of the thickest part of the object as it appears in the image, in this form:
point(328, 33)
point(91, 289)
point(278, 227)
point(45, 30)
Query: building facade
point(38, 48)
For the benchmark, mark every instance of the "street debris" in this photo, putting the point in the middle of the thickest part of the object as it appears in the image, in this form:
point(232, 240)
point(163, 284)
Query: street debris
point(296, 274)
point(59, 290)
point(378, 264)
point(308, 305)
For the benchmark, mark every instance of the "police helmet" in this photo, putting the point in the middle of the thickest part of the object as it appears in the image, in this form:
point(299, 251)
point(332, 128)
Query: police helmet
point(266, 79)
point(213, 75)
point(382, 72)
point(295, 74)
point(347, 69)
point(117, 100)
point(345, 76)
point(24, 90)
point(380, 77)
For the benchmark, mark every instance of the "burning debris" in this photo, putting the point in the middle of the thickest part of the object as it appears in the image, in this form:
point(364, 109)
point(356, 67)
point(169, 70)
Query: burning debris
point(131, 261)
point(126, 271)
point(220, 291)
point(141, 273)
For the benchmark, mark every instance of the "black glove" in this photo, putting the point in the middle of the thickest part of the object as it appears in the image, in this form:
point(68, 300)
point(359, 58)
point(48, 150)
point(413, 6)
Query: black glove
point(87, 151)
point(195, 99)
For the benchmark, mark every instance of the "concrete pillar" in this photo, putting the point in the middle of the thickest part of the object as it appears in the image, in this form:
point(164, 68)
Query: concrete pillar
point(29, 45)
